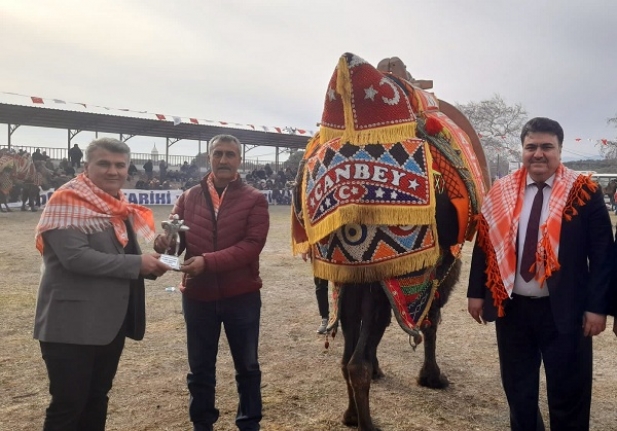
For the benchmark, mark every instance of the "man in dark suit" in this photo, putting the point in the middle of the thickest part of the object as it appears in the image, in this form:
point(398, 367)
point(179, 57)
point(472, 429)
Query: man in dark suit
point(541, 270)
point(91, 293)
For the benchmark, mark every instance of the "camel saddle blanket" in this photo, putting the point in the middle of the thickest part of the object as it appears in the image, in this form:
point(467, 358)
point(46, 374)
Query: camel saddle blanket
point(410, 295)
point(369, 210)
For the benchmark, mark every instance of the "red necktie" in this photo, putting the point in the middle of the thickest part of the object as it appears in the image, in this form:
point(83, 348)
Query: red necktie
point(531, 237)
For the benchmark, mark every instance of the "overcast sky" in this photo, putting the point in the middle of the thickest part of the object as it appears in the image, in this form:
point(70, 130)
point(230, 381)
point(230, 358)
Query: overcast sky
point(269, 62)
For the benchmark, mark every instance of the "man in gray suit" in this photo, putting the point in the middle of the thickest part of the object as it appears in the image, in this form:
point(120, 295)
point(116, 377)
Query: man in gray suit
point(91, 293)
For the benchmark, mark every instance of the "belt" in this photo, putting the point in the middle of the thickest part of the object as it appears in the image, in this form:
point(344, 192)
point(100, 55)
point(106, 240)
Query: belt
point(516, 295)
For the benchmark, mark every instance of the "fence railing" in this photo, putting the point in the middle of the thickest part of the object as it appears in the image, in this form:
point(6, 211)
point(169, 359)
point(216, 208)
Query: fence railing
point(173, 161)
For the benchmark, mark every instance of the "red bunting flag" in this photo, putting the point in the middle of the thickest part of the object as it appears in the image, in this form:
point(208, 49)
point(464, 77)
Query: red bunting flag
point(604, 141)
point(578, 139)
point(194, 121)
point(278, 129)
point(37, 100)
point(160, 116)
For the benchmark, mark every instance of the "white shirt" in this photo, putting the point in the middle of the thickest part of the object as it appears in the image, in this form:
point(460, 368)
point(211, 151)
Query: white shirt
point(521, 287)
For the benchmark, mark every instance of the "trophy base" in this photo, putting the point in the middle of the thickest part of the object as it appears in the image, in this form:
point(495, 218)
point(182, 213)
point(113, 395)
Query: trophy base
point(172, 261)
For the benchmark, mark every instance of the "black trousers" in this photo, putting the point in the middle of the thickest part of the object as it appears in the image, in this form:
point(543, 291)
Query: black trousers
point(80, 377)
point(240, 316)
point(527, 336)
point(321, 292)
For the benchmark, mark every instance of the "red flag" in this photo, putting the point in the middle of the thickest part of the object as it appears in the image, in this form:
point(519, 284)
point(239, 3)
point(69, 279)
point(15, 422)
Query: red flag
point(194, 120)
point(160, 116)
point(278, 129)
point(604, 141)
point(301, 131)
point(578, 139)
point(37, 100)
point(224, 123)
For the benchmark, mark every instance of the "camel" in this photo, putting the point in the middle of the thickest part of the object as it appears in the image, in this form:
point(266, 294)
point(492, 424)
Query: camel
point(22, 170)
point(386, 196)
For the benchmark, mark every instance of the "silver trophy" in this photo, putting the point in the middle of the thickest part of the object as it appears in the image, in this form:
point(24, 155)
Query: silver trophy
point(173, 228)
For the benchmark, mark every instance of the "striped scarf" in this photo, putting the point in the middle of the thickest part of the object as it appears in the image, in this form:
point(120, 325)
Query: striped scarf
point(501, 211)
point(81, 205)
point(214, 195)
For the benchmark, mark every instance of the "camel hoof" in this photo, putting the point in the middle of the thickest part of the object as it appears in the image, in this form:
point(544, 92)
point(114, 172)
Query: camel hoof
point(377, 374)
point(432, 382)
point(350, 419)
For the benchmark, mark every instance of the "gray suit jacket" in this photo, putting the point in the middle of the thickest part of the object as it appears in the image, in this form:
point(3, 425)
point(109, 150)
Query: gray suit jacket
point(87, 285)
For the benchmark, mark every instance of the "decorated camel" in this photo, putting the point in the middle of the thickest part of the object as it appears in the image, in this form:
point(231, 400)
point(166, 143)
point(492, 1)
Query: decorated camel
point(16, 168)
point(386, 196)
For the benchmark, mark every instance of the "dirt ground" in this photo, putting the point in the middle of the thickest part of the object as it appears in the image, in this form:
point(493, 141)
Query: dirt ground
point(302, 384)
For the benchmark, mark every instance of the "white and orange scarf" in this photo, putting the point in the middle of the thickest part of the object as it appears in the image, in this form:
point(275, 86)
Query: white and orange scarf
point(81, 205)
point(498, 227)
point(214, 195)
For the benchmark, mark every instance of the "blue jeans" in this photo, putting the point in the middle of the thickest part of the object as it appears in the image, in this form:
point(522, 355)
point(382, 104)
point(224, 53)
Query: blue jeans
point(240, 317)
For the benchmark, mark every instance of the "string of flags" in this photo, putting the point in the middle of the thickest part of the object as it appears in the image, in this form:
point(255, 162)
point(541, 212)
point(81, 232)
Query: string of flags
point(176, 119)
point(603, 141)
point(191, 120)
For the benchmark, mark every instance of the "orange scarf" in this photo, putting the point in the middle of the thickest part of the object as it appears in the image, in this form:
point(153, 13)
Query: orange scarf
point(81, 205)
point(501, 211)
point(214, 195)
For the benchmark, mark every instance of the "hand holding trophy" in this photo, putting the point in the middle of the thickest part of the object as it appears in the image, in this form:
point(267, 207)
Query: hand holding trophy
point(173, 228)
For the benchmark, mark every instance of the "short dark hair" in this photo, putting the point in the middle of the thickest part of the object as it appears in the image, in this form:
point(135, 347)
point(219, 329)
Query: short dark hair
point(229, 139)
point(542, 125)
point(110, 144)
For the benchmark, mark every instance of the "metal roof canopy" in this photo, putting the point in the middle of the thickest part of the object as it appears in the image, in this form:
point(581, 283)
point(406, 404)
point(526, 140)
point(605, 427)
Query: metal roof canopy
point(128, 127)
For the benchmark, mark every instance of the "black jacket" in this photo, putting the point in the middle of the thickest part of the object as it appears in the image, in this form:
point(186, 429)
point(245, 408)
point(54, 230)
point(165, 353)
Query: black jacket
point(583, 283)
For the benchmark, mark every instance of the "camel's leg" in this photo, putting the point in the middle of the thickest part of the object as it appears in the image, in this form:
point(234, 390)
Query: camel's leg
point(350, 325)
point(430, 375)
point(350, 320)
point(360, 366)
point(382, 321)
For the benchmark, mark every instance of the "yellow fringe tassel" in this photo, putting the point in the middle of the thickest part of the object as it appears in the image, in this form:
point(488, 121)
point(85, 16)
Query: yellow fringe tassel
point(299, 248)
point(376, 215)
point(366, 273)
point(327, 134)
point(381, 135)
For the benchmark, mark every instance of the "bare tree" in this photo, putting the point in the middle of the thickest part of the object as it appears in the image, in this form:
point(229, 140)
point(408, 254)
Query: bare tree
point(499, 126)
point(294, 160)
